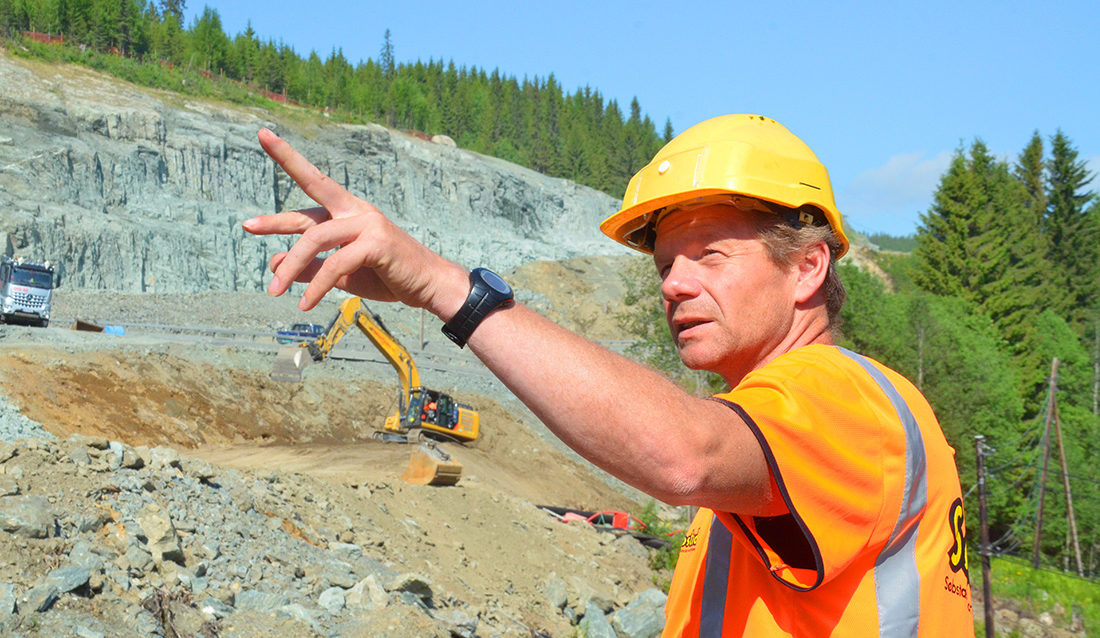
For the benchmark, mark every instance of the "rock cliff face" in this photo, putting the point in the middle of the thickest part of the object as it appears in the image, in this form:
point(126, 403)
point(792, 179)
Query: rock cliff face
point(141, 191)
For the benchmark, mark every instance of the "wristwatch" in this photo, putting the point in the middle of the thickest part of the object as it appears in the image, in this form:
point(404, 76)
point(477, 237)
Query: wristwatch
point(487, 293)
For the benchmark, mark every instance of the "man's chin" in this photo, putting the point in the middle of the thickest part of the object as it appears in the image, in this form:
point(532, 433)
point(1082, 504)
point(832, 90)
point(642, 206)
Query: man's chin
point(695, 360)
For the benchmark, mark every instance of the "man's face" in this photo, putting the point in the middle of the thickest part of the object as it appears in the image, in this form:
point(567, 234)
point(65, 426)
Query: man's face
point(728, 305)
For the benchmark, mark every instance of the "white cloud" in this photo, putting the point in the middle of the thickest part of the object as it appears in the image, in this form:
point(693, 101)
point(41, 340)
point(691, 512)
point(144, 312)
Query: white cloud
point(890, 198)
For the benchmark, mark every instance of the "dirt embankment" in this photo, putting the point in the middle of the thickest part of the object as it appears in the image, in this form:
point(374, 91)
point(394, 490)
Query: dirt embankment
point(231, 412)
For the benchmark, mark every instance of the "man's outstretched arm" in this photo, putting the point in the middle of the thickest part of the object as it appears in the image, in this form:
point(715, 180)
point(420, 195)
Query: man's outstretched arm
point(619, 415)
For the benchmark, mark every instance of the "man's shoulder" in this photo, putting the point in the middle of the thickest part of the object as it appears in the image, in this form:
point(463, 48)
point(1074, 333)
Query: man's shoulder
point(830, 374)
point(818, 369)
point(825, 358)
point(801, 372)
point(821, 358)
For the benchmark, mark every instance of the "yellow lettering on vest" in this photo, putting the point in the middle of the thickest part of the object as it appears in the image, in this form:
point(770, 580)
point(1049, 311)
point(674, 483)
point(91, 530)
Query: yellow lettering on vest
point(957, 557)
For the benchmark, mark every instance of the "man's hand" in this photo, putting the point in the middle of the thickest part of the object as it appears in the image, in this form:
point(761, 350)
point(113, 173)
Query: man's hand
point(373, 258)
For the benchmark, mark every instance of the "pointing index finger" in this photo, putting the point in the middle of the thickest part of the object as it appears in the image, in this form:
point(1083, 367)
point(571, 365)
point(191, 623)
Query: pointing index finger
point(320, 187)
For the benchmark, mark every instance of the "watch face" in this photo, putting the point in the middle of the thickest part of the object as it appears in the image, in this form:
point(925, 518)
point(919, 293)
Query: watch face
point(494, 281)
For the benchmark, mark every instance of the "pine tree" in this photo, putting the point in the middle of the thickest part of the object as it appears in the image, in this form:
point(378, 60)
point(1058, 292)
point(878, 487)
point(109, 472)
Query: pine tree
point(7, 15)
point(245, 55)
point(209, 42)
point(1015, 287)
point(1073, 233)
point(385, 58)
point(173, 9)
point(337, 77)
point(980, 242)
point(46, 16)
point(452, 112)
point(1031, 172)
point(944, 262)
point(574, 155)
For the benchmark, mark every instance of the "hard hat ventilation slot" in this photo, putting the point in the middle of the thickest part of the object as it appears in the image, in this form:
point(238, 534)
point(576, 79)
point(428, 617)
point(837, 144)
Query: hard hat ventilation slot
point(803, 216)
point(792, 217)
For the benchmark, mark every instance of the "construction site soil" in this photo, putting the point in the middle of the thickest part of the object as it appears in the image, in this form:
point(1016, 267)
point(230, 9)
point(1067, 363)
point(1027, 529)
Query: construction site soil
point(191, 373)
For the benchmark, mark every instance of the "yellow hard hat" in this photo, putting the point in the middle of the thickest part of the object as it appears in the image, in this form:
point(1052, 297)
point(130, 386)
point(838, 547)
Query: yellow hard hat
point(723, 157)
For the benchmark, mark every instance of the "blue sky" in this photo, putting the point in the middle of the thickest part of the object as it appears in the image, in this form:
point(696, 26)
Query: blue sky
point(883, 92)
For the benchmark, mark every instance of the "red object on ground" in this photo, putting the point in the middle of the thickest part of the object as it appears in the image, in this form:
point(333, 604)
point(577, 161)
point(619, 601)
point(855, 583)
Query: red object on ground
point(616, 519)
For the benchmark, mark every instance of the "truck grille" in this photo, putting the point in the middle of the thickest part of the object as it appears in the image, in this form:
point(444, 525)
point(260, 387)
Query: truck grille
point(28, 300)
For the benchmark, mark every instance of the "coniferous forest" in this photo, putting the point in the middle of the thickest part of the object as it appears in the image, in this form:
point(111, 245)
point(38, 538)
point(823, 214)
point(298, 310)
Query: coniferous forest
point(1005, 281)
point(995, 314)
point(532, 122)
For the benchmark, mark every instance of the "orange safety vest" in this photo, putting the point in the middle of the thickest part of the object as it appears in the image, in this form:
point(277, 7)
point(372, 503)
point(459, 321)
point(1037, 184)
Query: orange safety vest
point(873, 542)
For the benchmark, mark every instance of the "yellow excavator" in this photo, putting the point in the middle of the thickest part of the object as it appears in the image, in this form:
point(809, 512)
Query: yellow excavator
point(421, 412)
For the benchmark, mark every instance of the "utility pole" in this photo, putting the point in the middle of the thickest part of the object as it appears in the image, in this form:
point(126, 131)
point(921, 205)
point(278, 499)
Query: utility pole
point(1069, 496)
point(984, 549)
point(1046, 461)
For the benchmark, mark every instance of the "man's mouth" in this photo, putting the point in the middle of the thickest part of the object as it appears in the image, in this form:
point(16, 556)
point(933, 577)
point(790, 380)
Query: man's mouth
point(687, 324)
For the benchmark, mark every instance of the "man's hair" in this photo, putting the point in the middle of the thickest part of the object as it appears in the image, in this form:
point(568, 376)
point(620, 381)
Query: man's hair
point(785, 242)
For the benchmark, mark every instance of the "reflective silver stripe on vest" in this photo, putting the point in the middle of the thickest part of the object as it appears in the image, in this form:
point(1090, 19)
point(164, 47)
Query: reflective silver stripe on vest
point(712, 610)
point(897, 581)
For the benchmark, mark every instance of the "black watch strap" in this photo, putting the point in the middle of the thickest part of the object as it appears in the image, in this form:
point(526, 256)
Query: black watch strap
point(488, 291)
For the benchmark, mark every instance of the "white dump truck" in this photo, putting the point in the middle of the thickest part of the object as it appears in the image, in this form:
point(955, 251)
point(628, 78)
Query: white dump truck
point(26, 288)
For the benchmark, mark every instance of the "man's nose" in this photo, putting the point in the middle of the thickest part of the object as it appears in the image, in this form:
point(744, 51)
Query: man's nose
point(681, 280)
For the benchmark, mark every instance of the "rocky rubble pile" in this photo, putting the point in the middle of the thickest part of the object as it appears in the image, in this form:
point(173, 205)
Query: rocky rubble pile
point(105, 539)
point(13, 425)
point(1010, 619)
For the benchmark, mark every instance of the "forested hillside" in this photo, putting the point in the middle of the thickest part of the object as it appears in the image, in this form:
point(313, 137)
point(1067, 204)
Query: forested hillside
point(533, 122)
point(1004, 280)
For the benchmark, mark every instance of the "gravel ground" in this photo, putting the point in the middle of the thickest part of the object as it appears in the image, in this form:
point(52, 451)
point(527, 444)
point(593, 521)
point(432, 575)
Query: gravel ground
point(310, 533)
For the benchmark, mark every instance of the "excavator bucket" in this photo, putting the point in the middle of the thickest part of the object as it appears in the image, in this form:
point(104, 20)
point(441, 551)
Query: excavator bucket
point(289, 364)
point(431, 466)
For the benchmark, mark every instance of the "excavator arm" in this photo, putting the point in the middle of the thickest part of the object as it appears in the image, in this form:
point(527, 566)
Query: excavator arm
point(371, 325)
point(419, 408)
point(291, 361)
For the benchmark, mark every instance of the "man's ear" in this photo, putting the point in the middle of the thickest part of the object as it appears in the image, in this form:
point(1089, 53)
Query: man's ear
point(812, 268)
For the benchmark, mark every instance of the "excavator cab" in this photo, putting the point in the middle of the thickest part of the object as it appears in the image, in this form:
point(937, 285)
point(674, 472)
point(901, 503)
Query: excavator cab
point(437, 415)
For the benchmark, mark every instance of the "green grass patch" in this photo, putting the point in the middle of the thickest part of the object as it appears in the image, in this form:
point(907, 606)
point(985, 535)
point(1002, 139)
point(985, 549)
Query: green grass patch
point(663, 561)
point(1040, 590)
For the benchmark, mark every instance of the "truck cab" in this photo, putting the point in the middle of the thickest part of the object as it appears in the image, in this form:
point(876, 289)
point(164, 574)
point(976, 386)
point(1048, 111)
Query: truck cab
point(300, 332)
point(26, 289)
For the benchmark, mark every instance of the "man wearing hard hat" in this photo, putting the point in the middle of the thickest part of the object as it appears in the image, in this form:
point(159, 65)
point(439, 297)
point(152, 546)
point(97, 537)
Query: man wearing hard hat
point(829, 500)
